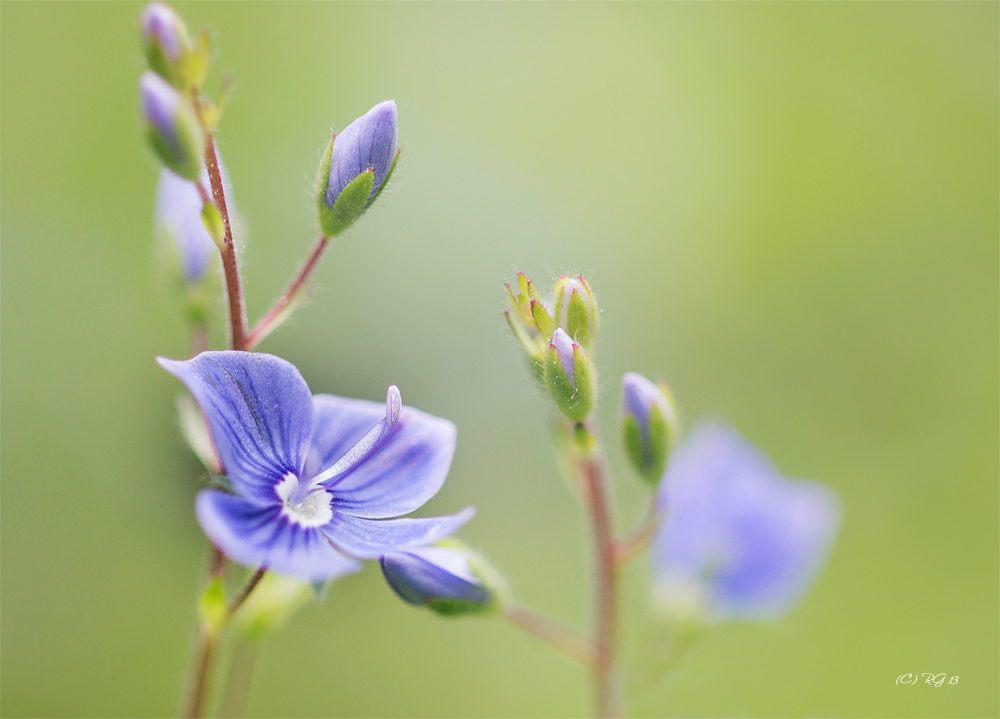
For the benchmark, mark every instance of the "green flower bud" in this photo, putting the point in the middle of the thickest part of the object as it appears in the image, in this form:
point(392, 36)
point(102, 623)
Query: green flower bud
point(576, 309)
point(569, 376)
point(649, 425)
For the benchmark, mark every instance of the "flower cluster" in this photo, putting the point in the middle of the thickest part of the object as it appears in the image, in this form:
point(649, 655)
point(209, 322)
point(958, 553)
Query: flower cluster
point(304, 487)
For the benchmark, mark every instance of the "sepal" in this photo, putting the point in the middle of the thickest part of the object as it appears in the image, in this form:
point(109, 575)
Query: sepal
point(349, 205)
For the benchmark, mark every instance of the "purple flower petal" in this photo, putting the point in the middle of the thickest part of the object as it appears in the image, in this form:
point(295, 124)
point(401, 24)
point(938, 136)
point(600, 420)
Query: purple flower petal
point(258, 536)
point(371, 538)
point(752, 539)
point(260, 412)
point(405, 469)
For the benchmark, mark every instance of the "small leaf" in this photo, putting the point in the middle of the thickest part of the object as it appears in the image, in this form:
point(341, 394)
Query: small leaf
point(212, 606)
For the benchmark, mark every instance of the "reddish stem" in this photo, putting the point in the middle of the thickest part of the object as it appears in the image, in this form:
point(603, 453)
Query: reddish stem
point(234, 289)
point(606, 623)
point(261, 329)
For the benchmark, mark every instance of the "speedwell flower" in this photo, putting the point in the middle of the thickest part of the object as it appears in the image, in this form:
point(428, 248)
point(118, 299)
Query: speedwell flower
point(739, 540)
point(319, 481)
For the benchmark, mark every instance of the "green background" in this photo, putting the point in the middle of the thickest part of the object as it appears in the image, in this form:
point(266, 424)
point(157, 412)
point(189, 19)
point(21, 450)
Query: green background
point(788, 210)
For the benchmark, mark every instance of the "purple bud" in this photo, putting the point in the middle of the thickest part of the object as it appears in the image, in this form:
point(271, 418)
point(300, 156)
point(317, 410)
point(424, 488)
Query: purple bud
point(563, 346)
point(638, 397)
point(439, 577)
point(174, 131)
point(367, 143)
point(162, 26)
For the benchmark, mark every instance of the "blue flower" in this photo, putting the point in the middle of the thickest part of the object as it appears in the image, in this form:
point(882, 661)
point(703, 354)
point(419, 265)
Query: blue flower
point(442, 578)
point(177, 216)
point(320, 481)
point(739, 540)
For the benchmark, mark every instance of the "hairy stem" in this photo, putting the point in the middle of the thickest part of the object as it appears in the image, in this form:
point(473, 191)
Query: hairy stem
point(605, 590)
point(234, 288)
point(267, 323)
point(557, 635)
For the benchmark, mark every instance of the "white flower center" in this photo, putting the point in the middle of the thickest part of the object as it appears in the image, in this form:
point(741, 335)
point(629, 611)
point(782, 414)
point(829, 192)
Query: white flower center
point(311, 510)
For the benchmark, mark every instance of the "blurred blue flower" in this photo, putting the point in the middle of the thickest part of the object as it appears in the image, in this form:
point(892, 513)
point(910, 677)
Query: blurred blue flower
point(440, 577)
point(367, 143)
point(739, 540)
point(177, 217)
point(320, 480)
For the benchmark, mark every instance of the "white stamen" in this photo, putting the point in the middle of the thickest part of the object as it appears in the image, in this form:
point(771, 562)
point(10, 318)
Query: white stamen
point(393, 407)
point(311, 511)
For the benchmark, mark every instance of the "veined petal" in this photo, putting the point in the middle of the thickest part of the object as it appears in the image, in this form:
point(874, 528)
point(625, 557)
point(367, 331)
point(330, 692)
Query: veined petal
point(260, 412)
point(371, 538)
point(403, 470)
point(256, 536)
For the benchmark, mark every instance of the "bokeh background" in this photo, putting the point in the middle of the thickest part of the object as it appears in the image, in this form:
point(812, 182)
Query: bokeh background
point(790, 211)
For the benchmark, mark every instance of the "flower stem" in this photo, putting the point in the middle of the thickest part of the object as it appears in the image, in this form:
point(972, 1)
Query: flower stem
point(234, 699)
point(208, 639)
point(245, 592)
point(273, 316)
point(563, 638)
point(201, 673)
point(633, 544)
point(234, 289)
point(605, 590)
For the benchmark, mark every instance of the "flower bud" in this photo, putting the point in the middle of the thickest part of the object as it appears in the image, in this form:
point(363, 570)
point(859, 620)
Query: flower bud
point(576, 309)
point(569, 376)
point(166, 42)
point(356, 166)
point(649, 425)
point(172, 128)
point(448, 579)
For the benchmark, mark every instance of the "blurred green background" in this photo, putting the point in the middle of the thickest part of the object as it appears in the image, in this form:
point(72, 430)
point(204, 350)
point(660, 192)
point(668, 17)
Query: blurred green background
point(788, 210)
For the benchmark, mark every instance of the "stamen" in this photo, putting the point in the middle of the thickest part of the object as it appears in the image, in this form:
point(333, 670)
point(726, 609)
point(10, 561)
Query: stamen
point(356, 454)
